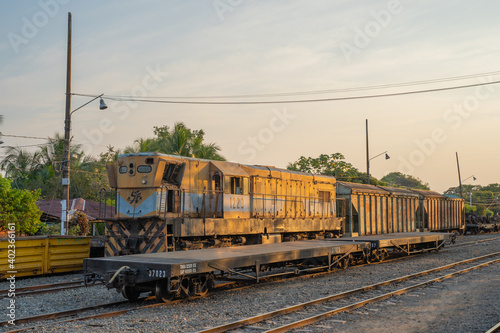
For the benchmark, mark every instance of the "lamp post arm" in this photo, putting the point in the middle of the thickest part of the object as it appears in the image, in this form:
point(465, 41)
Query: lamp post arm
point(378, 155)
point(93, 99)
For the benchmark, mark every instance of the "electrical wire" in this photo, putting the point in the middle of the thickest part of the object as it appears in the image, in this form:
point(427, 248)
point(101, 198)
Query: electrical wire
point(383, 86)
point(29, 137)
point(127, 99)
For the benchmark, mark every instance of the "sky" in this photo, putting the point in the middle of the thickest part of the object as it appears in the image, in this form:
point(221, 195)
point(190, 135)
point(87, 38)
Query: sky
point(288, 50)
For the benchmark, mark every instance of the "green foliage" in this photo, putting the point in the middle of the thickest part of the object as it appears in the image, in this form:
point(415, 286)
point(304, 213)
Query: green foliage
point(329, 165)
point(399, 179)
point(481, 210)
point(179, 140)
point(470, 209)
point(484, 198)
point(100, 228)
point(42, 170)
point(19, 207)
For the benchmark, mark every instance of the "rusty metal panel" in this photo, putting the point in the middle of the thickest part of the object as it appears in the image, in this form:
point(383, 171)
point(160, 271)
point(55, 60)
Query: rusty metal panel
point(373, 215)
point(362, 214)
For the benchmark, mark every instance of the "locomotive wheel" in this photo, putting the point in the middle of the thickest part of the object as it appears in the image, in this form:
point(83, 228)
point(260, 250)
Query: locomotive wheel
point(130, 293)
point(161, 293)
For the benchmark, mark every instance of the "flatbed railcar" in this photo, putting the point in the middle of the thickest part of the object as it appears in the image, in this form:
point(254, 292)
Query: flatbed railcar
point(170, 203)
point(191, 273)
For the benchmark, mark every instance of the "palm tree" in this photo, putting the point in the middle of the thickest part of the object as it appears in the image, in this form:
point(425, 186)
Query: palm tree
point(182, 141)
point(177, 142)
point(142, 145)
point(208, 151)
point(19, 164)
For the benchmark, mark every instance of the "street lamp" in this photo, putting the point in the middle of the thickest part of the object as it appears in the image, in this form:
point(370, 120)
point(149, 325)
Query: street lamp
point(474, 178)
point(67, 160)
point(368, 159)
point(470, 193)
point(67, 136)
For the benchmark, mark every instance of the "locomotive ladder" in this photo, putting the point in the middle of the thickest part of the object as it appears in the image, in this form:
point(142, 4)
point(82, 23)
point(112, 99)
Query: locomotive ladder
point(170, 241)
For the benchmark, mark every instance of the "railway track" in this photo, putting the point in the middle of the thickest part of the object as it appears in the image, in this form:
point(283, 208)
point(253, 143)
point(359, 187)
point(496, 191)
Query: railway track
point(80, 313)
point(308, 313)
point(494, 329)
point(46, 288)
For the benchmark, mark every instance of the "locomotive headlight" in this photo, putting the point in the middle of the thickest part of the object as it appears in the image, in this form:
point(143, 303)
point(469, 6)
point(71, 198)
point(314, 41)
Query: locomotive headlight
point(144, 181)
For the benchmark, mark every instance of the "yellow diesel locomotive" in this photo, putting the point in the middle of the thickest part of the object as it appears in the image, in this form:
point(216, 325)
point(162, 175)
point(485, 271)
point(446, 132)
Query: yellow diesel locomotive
point(170, 203)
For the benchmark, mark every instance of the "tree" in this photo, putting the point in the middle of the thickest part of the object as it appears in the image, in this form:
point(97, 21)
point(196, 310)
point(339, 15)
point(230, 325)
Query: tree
point(180, 140)
point(43, 170)
point(400, 179)
point(19, 207)
point(142, 145)
point(329, 165)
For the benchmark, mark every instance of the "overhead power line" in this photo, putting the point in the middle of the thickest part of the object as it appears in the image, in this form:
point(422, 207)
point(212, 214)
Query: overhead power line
point(328, 91)
point(131, 99)
point(30, 137)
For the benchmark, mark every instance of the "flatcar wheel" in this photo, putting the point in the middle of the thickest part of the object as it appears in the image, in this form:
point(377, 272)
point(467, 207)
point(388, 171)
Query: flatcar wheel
point(161, 292)
point(381, 254)
point(343, 263)
point(203, 289)
point(130, 293)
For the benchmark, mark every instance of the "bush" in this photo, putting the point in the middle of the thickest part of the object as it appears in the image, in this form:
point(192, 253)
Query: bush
point(53, 229)
point(79, 225)
point(19, 207)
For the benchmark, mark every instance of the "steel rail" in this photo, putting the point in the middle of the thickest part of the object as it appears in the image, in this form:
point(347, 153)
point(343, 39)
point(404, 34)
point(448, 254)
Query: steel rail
point(100, 315)
point(46, 289)
point(474, 242)
point(314, 319)
point(59, 314)
point(494, 329)
point(56, 315)
point(43, 286)
point(297, 307)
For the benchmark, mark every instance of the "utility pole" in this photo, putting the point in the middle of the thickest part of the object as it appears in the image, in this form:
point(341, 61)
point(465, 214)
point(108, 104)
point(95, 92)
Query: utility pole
point(67, 138)
point(459, 177)
point(367, 157)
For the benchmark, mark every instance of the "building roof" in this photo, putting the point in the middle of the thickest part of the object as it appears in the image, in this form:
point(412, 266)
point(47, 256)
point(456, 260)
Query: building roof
point(52, 209)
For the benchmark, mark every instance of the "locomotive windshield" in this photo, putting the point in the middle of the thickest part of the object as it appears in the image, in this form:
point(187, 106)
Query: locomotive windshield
point(171, 173)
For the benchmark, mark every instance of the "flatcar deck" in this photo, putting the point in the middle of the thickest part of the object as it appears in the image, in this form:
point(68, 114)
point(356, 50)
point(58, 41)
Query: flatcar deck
point(207, 260)
point(400, 239)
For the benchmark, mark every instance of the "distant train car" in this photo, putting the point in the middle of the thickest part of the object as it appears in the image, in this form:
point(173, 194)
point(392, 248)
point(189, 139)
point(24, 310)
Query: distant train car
point(439, 212)
point(167, 203)
point(380, 209)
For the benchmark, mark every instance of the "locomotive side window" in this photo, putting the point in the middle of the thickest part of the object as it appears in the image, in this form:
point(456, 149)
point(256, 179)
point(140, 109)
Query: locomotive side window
point(216, 179)
point(324, 196)
point(236, 185)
